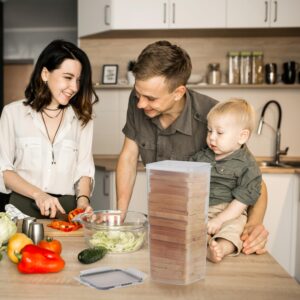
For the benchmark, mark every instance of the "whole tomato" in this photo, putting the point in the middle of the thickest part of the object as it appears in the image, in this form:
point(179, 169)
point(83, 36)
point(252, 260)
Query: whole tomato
point(51, 244)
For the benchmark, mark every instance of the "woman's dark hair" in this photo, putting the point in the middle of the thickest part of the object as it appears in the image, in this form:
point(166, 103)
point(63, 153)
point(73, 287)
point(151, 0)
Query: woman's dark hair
point(37, 93)
point(164, 59)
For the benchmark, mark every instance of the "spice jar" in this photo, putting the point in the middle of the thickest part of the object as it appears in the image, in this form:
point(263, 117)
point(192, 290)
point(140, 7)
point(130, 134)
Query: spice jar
point(233, 67)
point(245, 68)
point(214, 74)
point(257, 67)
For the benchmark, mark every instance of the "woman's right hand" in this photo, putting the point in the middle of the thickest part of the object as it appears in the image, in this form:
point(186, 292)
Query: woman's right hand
point(48, 204)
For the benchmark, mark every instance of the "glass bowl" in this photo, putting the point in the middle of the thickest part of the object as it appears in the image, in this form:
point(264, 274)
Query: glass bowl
point(115, 230)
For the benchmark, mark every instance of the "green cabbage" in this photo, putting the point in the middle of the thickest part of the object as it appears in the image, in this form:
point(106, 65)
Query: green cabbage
point(7, 228)
point(118, 241)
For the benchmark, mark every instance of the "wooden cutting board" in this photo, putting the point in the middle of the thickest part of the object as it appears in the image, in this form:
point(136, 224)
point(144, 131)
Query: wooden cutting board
point(48, 231)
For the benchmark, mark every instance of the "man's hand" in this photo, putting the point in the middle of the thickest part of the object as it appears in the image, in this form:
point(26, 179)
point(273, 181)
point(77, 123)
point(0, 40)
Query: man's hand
point(255, 238)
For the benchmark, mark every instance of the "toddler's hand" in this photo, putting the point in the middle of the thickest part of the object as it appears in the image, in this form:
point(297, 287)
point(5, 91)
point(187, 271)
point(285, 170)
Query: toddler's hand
point(213, 226)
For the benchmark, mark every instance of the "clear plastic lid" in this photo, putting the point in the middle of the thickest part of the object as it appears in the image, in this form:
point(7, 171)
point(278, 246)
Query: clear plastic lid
point(111, 278)
point(179, 166)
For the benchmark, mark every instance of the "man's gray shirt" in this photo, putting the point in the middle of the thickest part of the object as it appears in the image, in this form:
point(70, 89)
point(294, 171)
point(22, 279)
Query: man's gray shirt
point(180, 140)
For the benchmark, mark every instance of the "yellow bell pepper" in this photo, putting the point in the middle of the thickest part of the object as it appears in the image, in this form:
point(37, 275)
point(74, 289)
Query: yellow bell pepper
point(15, 244)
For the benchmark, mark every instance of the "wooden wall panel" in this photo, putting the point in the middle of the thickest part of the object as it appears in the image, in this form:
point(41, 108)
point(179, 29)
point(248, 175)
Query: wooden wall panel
point(16, 78)
point(203, 50)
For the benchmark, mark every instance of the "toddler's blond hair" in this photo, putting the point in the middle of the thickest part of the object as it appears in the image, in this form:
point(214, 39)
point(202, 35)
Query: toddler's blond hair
point(240, 108)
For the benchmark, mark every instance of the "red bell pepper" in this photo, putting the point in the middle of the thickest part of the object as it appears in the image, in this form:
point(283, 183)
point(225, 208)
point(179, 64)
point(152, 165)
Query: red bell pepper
point(74, 213)
point(35, 259)
point(63, 226)
point(67, 226)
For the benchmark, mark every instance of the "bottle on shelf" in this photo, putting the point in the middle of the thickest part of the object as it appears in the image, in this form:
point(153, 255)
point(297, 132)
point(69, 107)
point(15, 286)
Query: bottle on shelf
point(214, 74)
point(233, 67)
point(245, 68)
point(257, 67)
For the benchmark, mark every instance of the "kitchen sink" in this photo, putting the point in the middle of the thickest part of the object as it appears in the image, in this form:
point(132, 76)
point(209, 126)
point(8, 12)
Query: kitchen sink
point(284, 164)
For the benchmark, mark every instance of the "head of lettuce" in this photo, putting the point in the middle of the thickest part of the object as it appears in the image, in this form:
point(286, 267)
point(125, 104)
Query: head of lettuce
point(7, 228)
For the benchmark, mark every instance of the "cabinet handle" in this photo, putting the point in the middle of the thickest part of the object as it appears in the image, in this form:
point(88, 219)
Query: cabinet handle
point(275, 11)
point(106, 19)
point(106, 185)
point(173, 12)
point(165, 13)
point(266, 11)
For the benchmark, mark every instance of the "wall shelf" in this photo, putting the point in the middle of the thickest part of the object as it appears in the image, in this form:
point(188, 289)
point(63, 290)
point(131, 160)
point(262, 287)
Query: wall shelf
point(207, 86)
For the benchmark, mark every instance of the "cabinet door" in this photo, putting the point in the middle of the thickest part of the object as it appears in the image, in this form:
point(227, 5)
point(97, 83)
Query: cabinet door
point(285, 13)
point(139, 198)
point(248, 13)
point(197, 14)
point(106, 137)
point(93, 16)
point(139, 14)
point(281, 218)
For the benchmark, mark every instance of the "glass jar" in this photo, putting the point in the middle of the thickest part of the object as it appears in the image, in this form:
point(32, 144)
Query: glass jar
point(257, 67)
point(245, 68)
point(214, 74)
point(233, 67)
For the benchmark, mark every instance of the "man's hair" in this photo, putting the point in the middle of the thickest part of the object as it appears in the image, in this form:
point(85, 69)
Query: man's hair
point(164, 59)
point(240, 108)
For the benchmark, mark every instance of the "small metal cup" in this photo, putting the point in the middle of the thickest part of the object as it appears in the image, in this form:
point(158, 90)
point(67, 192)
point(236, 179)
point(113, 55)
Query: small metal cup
point(26, 224)
point(36, 232)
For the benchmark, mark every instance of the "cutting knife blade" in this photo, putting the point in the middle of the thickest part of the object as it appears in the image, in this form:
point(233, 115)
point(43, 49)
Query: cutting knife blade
point(61, 216)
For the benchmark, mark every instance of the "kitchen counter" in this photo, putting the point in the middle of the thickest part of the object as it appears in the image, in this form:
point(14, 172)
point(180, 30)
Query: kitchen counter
point(109, 162)
point(242, 277)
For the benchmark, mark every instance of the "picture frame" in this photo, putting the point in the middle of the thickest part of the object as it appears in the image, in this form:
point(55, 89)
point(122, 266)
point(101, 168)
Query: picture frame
point(110, 74)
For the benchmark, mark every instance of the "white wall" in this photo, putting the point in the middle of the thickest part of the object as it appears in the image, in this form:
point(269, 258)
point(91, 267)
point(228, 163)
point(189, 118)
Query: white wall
point(289, 99)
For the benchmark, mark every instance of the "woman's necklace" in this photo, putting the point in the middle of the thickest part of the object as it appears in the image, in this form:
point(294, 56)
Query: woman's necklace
point(52, 109)
point(52, 142)
point(52, 117)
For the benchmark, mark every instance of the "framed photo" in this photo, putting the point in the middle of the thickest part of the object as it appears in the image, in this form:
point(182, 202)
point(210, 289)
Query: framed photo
point(110, 74)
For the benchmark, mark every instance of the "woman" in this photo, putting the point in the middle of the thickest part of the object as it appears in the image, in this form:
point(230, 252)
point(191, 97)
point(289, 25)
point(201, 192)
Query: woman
point(46, 140)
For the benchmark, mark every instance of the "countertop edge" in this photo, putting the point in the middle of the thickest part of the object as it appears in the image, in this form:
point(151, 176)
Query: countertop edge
point(109, 163)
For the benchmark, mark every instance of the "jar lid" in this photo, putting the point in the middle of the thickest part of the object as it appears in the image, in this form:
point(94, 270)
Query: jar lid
point(233, 53)
point(245, 53)
point(257, 53)
point(214, 66)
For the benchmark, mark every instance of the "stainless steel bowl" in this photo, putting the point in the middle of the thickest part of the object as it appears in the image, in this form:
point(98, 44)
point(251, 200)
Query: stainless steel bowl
point(115, 230)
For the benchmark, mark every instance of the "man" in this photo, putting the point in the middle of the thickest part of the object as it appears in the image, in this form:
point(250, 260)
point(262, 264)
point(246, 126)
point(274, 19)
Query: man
point(167, 121)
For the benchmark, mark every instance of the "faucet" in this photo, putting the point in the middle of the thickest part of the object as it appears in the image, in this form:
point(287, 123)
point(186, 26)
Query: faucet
point(278, 152)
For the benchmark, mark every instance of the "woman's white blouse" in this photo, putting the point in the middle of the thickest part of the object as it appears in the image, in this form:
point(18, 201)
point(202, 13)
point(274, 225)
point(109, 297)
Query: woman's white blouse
point(26, 149)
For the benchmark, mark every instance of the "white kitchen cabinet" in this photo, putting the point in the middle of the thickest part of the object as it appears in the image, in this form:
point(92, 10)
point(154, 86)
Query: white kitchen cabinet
point(191, 14)
point(262, 13)
point(95, 16)
point(109, 120)
point(139, 198)
point(285, 13)
point(281, 219)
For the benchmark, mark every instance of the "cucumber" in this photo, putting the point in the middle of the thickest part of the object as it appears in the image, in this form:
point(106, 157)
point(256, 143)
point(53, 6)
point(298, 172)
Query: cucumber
point(91, 255)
